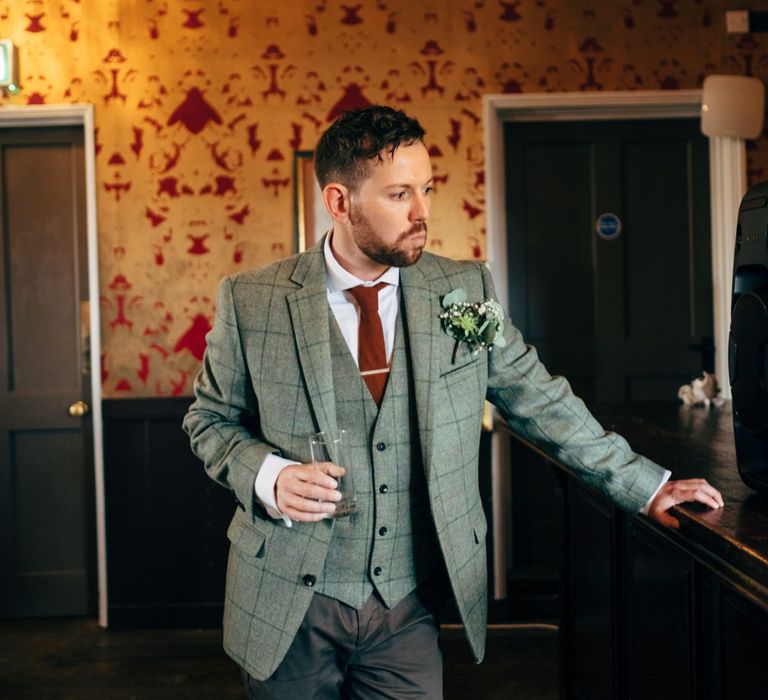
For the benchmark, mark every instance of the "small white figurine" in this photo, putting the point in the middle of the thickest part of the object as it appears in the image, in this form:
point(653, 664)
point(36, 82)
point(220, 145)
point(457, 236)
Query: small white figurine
point(702, 390)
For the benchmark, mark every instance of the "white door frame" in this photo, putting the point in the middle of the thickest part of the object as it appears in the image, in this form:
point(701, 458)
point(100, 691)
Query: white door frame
point(81, 115)
point(728, 183)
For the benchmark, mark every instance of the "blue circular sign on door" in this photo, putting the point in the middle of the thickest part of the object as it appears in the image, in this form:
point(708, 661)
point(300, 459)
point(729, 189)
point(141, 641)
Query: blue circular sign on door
point(608, 226)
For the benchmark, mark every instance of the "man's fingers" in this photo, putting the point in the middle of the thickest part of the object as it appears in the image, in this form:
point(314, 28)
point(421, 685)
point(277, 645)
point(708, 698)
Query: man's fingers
point(713, 500)
point(684, 491)
point(692, 490)
point(321, 473)
point(304, 509)
point(302, 516)
point(306, 497)
point(312, 492)
point(317, 493)
point(706, 493)
point(290, 477)
point(307, 505)
point(716, 495)
point(330, 468)
point(307, 492)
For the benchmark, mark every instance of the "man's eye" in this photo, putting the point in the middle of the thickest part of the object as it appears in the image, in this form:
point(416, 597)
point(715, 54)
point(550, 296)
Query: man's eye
point(399, 195)
point(429, 190)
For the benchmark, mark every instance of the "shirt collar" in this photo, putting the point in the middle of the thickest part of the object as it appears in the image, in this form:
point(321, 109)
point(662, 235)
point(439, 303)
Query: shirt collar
point(340, 279)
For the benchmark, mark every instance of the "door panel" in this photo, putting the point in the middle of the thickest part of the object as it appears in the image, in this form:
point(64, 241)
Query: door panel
point(657, 253)
point(42, 268)
point(545, 259)
point(618, 317)
point(46, 487)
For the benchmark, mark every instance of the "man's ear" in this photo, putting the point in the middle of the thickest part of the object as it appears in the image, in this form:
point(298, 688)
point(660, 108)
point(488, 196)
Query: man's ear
point(336, 199)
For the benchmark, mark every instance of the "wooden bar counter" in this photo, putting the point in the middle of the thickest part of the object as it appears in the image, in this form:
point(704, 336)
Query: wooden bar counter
point(698, 442)
point(648, 612)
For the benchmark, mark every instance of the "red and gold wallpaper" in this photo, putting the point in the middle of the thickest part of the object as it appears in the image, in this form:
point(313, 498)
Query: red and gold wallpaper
point(201, 104)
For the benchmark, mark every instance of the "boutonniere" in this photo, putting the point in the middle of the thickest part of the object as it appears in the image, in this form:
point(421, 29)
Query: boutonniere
point(479, 324)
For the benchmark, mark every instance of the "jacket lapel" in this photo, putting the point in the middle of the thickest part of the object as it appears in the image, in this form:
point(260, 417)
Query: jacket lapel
point(309, 312)
point(422, 304)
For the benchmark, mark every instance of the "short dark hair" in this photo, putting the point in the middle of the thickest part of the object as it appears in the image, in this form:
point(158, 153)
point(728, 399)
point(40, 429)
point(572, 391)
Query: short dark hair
point(345, 149)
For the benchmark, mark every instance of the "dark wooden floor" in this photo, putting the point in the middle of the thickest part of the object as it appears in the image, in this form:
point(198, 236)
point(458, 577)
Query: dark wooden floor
point(77, 660)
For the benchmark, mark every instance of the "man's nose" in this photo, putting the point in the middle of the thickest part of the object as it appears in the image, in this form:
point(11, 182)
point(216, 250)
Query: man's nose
point(420, 210)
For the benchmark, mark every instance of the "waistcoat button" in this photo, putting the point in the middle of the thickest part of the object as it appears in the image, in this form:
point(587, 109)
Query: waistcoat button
point(377, 571)
point(383, 488)
point(380, 446)
point(309, 580)
point(382, 531)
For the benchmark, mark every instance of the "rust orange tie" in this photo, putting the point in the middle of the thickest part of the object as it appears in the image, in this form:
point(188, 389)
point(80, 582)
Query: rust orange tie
point(371, 352)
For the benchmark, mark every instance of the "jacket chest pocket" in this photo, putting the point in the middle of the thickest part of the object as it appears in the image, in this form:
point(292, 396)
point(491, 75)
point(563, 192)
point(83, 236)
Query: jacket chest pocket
point(464, 363)
point(464, 357)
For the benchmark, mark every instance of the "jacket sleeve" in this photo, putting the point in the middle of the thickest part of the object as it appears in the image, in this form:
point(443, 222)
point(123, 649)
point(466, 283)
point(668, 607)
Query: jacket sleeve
point(544, 410)
point(222, 420)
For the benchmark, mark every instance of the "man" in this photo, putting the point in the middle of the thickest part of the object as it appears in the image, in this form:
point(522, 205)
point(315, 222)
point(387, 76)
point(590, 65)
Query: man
point(348, 336)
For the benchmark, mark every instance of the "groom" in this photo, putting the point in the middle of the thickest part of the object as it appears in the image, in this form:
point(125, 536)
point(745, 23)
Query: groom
point(348, 336)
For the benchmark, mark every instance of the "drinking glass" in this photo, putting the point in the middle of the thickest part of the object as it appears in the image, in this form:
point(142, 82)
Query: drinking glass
point(327, 447)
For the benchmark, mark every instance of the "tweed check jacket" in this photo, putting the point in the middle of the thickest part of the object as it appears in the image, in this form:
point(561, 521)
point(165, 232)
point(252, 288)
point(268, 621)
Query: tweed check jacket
point(266, 385)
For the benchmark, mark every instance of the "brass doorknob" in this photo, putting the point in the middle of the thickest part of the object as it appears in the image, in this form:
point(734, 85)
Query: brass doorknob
point(79, 409)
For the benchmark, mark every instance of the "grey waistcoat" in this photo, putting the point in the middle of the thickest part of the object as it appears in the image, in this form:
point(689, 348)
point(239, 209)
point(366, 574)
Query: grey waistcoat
point(390, 543)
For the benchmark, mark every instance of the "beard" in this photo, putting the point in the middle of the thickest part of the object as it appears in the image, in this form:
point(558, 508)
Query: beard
point(397, 254)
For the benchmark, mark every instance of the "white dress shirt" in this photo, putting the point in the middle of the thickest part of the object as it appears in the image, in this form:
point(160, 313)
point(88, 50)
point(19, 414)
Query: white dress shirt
point(346, 313)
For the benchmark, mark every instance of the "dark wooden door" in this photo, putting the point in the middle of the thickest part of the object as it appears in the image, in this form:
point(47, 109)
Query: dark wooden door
point(625, 317)
point(47, 528)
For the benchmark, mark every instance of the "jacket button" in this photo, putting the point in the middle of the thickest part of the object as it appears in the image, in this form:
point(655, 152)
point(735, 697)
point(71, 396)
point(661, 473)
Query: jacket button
point(309, 580)
point(382, 531)
point(377, 571)
point(383, 488)
point(380, 446)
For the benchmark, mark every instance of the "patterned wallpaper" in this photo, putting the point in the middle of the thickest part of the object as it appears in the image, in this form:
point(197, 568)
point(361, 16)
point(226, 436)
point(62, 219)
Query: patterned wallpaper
point(200, 105)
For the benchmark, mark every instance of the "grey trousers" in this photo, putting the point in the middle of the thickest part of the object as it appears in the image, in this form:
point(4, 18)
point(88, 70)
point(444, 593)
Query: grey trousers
point(368, 654)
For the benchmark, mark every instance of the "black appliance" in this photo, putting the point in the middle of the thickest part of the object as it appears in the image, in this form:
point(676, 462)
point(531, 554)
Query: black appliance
point(748, 341)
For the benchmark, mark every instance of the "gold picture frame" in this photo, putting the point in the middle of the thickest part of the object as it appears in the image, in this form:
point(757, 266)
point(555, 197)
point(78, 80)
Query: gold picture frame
point(311, 220)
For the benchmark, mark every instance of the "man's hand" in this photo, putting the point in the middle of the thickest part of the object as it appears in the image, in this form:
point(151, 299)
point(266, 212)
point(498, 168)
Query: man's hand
point(674, 492)
point(307, 492)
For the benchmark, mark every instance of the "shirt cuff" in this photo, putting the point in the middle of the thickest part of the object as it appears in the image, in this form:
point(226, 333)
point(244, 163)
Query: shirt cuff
point(664, 479)
point(265, 485)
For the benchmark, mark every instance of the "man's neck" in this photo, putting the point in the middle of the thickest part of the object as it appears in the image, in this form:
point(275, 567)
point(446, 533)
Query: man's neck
point(354, 261)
